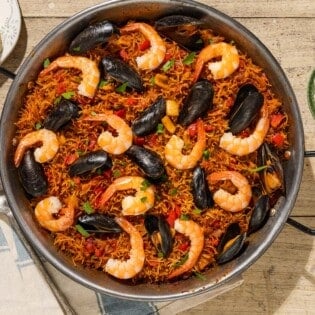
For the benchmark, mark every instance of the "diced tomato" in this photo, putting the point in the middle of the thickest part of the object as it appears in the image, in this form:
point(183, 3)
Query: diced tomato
point(192, 130)
point(152, 140)
point(89, 246)
point(61, 88)
point(145, 45)
point(131, 101)
point(120, 113)
point(216, 224)
point(278, 139)
point(91, 145)
point(229, 102)
point(108, 174)
point(99, 252)
point(77, 180)
point(173, 215)
point(139, 140)
point(167, 57)
point(69, 159)
point(124, 55)
point(183, 247)
point(276, 120)
point(215, 242)
point(208, 128)
point(244, 133)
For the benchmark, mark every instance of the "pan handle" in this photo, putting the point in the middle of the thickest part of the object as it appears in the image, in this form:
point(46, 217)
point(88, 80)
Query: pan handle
point(7, 73)
point(294, 223)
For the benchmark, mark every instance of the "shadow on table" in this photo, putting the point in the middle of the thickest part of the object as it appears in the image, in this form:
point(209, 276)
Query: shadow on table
point(285, 267)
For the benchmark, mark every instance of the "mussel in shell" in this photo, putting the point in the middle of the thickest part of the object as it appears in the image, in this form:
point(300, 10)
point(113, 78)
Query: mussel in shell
point(91, 36)
point(272, 176)
point(149, 161)
point(231, 243)
point(148, 120)
point(197, 103)
point(160, 233)
point(99, 223)
point(184, 30)
point(122, 72)
point(90, 162)
point(200, 189)
point(32, 175)
point(245, 109)
point(260, 212)
point(61, 115)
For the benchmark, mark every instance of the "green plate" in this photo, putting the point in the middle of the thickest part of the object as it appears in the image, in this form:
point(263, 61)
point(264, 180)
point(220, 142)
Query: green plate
point(311, 93)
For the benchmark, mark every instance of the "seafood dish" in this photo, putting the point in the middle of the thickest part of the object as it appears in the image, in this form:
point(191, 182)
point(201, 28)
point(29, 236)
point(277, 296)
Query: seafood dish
point(151, 150)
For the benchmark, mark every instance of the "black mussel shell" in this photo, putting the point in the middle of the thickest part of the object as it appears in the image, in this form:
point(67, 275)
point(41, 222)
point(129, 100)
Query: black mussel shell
point(184, 30)
point(272, 177)
point(200, 189)
point(149, 161)
point(160, 233)
point(92, 36)
point(259, 214)
point(90, 162)
point(149, 118)
point(231, 244)
point(61, 115)
point(197, 103)
point(99, 223)
point(32, 175)
point(122, 72)
point(245, 109)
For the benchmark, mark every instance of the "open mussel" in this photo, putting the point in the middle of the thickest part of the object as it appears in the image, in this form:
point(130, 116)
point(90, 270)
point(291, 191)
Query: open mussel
point(91, 36)
point(260, 211)
point(61, 115)
point(184, 30)
point(272, 176)
point(149, 161)
point(32, 175)
point(197, 103)
point(122, 72)
point(99, 223)
point(160, 233)
point(200, 189)
point(90, 162)
point(231, 243)
point(149, 118)
point(245, 109)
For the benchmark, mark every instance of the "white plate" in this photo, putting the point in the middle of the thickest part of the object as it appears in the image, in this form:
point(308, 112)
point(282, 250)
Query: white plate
point(10, 26)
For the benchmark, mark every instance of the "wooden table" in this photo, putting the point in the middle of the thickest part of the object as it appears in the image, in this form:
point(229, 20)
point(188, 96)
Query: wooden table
point(282, 281)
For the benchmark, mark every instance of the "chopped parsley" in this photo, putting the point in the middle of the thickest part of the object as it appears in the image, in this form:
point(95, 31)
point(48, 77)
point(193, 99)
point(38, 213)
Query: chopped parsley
point(116, 173)
point(168, 65)
point(144, 185)
point(206, 154)
point(199, 275)
point(181, 261)
point(77, 49)
point(122, 88)
point(103, 83)
point(197, 211)
point(184, 217)
point(189, 59)
point(88, 208)
point(67, 95)
point(46, 63)
point(144, 199)
point(160, 129)
point(38, 125)
point(173, 191)
point(82, 231)
point(258, 169)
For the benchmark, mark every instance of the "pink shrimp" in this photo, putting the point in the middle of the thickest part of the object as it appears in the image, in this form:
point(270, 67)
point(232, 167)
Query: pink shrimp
point(195, 233)
point(46, 142)
point(227, 201)
point(156, 53)
point(129, 268)
point(243, 146)
point(219, 69)
point(173, 150)
point(90, 72)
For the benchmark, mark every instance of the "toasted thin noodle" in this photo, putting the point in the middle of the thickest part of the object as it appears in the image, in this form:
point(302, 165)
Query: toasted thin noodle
point(81, 136)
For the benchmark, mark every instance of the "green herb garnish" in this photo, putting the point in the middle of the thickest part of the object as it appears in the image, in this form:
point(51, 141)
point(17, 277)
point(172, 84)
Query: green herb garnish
point(67, 95)
point(173, 191)
point(199, 275)
point(88, 208)
point(152, 81)
point(168, 65)
point(184, 217)
point(144, 199)
point(116, 173)
point(103, 83)
point(181, 261)
point(77, 49)
point(197, 211)
point(258, 169)
point(160, 129)
point(82, 231)
point(57, 100)
point(206, 154)
point(144, 185)
point(122, 88)
point(38, 125)
point(189, 59)
point(46, 63)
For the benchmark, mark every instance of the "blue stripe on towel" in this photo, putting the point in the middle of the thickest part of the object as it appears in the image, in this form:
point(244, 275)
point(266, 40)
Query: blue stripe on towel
point(115, 306)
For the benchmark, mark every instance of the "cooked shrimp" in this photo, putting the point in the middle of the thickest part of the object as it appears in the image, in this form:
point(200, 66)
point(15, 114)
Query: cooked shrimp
point(243, 146)
point(108, 142)
point(46, 140)
point(195, 233)
point(219, 69)
point(129, 268)
point(173, 150)
point(156, 53)
point(227, 201)
point(48, 207)
point(90, 72)
point(131, 205)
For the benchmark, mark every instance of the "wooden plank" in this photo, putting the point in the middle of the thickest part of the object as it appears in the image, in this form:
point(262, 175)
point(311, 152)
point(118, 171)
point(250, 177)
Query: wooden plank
point(246, 8)
point(280, 282)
